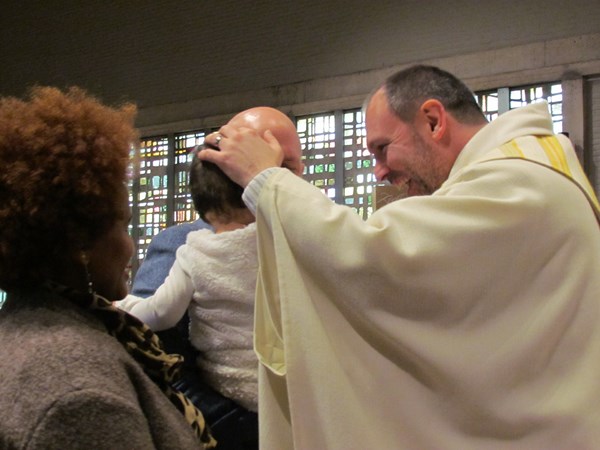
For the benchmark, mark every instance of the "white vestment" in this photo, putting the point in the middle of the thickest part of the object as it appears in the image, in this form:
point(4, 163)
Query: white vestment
point(464, 320)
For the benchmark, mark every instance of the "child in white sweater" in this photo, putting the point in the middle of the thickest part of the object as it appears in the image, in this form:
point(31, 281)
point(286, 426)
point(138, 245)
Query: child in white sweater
point(214, 279)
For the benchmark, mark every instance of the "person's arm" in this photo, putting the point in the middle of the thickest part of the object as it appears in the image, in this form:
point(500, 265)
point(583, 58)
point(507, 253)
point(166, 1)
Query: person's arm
point(128, 302)
point(168, 304)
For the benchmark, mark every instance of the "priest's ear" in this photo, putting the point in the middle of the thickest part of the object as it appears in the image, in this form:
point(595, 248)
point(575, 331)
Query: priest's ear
point(434, 115)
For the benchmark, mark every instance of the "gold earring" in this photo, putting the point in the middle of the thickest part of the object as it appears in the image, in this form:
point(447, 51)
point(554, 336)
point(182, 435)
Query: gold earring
point(85, 260)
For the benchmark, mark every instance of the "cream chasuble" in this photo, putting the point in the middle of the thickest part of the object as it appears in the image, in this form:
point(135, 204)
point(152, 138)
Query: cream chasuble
point(464, 320)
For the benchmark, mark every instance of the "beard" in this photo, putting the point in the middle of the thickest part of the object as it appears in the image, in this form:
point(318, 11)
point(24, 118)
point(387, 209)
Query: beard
point(420, 175)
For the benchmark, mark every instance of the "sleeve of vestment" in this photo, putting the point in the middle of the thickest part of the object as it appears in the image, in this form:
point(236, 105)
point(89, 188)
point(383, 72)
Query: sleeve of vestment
point(417, 261)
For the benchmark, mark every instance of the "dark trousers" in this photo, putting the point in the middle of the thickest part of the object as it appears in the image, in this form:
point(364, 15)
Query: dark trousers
point(233, 426)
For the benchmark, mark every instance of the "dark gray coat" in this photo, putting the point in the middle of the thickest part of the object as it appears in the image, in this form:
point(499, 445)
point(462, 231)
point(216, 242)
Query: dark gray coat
point(65, 383)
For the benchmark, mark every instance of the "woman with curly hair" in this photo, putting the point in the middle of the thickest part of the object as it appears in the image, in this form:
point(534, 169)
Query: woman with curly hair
point(76, 371)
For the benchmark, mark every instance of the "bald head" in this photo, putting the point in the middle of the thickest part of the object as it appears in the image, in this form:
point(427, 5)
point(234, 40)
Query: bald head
point(263, 118)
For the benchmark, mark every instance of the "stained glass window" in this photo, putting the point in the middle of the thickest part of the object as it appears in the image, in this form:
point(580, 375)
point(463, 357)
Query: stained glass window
point(359, 179)
point(160, 189)
point(151, 192)
point(317, 137)
point(551, 92)
point(499, 101)
point(488, 101)
point(183, 209)
point(345, 176)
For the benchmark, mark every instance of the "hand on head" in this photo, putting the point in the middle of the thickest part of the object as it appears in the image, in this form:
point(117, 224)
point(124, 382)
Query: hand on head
point(261, 119)
point(243, 153)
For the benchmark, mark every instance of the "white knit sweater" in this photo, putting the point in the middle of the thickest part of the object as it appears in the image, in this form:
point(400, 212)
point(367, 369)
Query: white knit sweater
point(214, 277)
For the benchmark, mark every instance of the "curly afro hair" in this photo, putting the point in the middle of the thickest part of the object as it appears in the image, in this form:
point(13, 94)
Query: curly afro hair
point(64, 158)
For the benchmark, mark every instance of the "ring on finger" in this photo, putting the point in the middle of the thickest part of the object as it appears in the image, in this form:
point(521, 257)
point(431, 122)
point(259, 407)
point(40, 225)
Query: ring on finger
point(218, 139)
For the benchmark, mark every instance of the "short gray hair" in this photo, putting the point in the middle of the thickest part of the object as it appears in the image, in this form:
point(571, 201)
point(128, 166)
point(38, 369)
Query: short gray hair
point(407, 89)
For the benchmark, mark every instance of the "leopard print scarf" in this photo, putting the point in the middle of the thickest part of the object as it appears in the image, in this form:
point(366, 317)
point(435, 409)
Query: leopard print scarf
point(145, 347)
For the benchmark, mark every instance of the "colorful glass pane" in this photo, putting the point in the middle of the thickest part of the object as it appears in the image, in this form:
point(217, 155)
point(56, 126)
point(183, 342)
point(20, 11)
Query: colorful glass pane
point(152, 195)
point(359, 179)
point(183, 209)
point(317, 138)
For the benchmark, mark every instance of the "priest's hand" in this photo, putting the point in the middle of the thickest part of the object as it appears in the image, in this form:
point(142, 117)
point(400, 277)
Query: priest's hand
point(242, 153)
